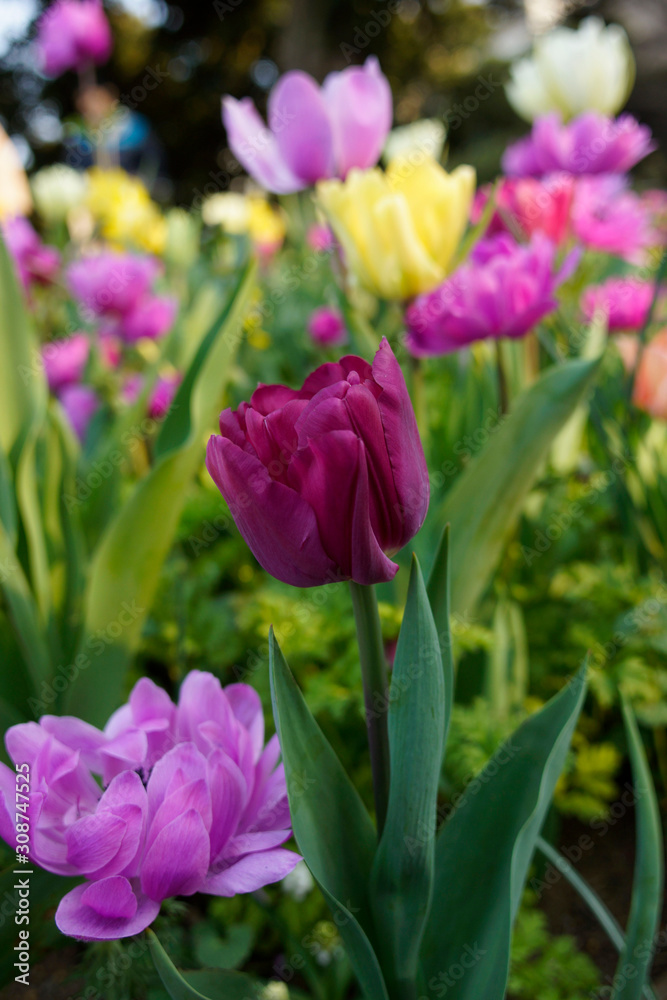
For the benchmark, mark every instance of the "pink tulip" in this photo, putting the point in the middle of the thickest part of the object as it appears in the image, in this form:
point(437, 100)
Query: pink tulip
point(65, 360)
point(325, 480)
point(314, 132)
point(525, 206)
point(72, 34)
point(607, 216)
point(327, 327)
point(589, 144)
point(193, 801)
point(625, 302)
point(502, 291)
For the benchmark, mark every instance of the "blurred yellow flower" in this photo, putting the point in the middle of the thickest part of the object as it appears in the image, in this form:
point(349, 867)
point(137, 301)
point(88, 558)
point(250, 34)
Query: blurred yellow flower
point(252, 214)
point(570, 71)
point(400, 229)
point(124, 210)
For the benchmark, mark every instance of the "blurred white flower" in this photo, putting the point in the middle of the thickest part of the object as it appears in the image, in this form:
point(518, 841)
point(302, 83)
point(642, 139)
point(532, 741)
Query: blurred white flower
point(227, 209)
point(299, 882)
point(426, 136)
point(570, 71)
point(57, 190)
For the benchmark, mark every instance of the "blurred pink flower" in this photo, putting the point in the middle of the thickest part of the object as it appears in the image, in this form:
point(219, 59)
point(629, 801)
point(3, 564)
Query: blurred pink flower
point(65, 360)
point(36, 262)
point(607, 216)
point(625, 302)
point(503, 290)
point(589, 144)
point(320, 238)
point(525, 206)
point(72, 34)
point(314, 132)
point(161, 397)
point(80, 403)
point(151, 317)
point(327, 327)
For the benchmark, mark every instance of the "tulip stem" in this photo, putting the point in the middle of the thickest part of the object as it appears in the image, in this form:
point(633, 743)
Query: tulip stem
point(503, 391)
point(376, 691)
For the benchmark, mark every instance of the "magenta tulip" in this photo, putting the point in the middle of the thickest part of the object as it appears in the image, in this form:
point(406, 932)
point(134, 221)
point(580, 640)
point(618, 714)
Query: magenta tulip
point(72, 34)
point(325, 481)
point(150, 318)
point(112, 283)
point(36, 263)
point(327, 327)
point(314, 132)
point(65, 360)
point(193, 802)
point(589, 144)
point(502, 291)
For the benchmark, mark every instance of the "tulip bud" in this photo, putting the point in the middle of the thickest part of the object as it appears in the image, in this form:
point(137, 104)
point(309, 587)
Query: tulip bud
point(325, 480)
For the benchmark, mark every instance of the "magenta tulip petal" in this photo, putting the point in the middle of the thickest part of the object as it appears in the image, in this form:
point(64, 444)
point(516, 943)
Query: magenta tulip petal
point(278, 525)
point(82, 916)
point(256, 148)
point(299, 121)
point(177, 861)
point(201, 701)
point(359, 103)
point(406, 454)
point(7, 802)
point(180, 766)
point(252, 872)
point(195, 795)
point(229, 797)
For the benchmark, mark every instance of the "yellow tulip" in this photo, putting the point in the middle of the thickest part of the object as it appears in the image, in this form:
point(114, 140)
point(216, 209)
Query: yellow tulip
point(124, 209)
point(399, 229)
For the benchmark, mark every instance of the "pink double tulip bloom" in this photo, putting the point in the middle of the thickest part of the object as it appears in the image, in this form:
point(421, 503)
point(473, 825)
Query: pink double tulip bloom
point(193, 801)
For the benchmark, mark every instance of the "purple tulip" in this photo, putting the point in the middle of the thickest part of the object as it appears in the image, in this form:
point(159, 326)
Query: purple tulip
point(589, 144)
point(65, 360)
point(193, 802)
point(314, 132)
point(327, 327)
point(112, 283)
point(323, 481)
point(72, 34)
point(35, 262)
point(502, 291)
point(80, 403)
point(625, 302)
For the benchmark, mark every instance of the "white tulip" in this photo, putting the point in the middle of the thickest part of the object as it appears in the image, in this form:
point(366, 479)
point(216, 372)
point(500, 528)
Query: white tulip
point(426, 136)
point(570, 71)
point(58, 189)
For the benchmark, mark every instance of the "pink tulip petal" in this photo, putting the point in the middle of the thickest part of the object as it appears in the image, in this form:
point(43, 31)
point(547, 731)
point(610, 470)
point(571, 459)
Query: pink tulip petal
point(78, 919)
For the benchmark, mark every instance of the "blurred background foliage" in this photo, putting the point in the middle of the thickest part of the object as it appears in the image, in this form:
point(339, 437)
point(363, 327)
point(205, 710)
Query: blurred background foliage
point(436, 54)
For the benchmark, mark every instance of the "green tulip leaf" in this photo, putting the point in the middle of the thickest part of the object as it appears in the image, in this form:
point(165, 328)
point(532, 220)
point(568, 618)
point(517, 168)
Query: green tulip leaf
point(634, 963)
point(332, 828)
point(402, 877)
point(484, 504)
point(484, 851)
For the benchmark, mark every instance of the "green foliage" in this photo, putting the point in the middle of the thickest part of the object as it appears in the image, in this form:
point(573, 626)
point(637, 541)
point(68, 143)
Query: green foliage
point(544, 965)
